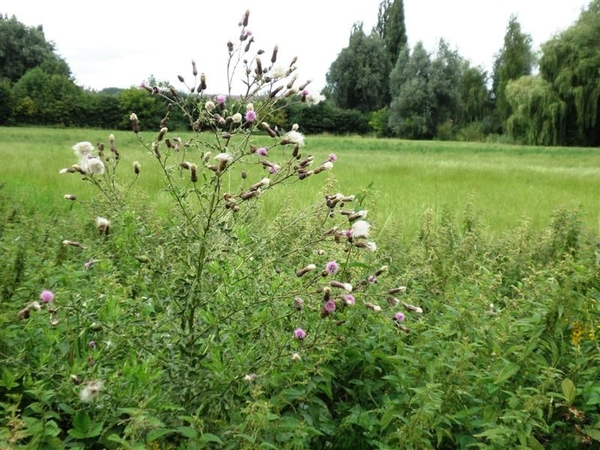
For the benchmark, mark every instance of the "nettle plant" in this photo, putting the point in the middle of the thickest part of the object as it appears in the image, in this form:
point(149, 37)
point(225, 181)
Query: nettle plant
point(231, 300)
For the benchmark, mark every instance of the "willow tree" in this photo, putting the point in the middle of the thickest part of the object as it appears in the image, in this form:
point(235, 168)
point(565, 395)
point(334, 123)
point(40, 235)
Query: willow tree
point(571, 63)
point(538, 114)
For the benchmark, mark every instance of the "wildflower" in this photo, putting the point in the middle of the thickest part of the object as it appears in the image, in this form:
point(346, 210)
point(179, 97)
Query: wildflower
point(250, 377)
point(220, 99)
point(103, 225)
point(249, 107)
point(293, 137)
point(348, 299)
point(360, 229)
point(330, 306)
point(92, 344)
point(262, 151)
point(372, 279)
point(83, 149)
point(332, 267)
point(295, 127)
point(35, 306)
point(299, 333)
point(328, 165)
point(399, 317)
point(209, 105)
point(47, 296)
point(250, 116)
point(236, 118)
point(332, 157)
point(274, 169)
point(381, 270)
point(90, 391)
point(95, 166)
point(69, 197)
point(296, 357)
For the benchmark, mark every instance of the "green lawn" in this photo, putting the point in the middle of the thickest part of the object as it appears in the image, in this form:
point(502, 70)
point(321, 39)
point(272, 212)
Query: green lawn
point(505, 183)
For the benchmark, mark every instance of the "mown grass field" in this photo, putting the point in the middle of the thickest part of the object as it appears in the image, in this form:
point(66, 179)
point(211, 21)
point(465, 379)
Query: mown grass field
point(506, 184)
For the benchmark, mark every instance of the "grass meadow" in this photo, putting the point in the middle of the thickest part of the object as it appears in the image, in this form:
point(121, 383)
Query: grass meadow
point(505, 184)
point(463, 311)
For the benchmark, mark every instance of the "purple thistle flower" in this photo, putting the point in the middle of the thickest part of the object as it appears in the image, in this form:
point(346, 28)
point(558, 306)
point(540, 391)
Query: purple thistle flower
point(332, 157)
point(304, 92)
point(92, 344)
point(349, 299)
point(274, 169)
point(372, 279)
point(299, 333)
point(220, 99)
point(262, 151)
point(250, 116)
point(399, 317)
point(330, 306)
point(332, 267)
point(46, 296)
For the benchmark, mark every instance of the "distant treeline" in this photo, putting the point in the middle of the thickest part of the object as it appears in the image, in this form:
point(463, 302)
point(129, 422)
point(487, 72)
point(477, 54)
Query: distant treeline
point(377, 85)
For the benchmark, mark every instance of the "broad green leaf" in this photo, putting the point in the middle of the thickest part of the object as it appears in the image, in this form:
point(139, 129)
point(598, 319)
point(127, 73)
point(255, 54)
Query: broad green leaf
point(187, 432)
point(569, 390)
point(157, 433)
point(209, 437)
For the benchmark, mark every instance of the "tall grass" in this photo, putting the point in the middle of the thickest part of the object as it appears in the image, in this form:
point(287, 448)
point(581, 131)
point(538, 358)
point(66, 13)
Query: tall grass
point(506, 184)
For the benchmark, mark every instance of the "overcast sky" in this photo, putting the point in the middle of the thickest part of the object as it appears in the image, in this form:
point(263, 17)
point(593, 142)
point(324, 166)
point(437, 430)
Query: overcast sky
point(113, 43)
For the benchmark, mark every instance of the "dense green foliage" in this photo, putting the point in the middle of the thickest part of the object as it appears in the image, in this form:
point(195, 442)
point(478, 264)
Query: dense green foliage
point(570, 62)
point(358, 78)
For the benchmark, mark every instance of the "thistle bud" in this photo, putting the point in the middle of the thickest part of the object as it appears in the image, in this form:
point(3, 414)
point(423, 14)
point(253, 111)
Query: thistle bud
point(412, 308)
point(244, 21)
point(258, 66)
point(274, 54)
point(206, 157)
point(346, 286)
point(305, 270)
point(244, 174)
point(296, 151)
point(162, 133)
point(180, 78)
point(230, 46)
point(303, 85)
point(103, 225)
point(268, 129)
point(291, 82)
point(194, 69)
point(194, 173)
point(69, 197)
point(136, 167)
point(399, 289)
point(326, 293)
point(202, 85)
point(381, 270)
point(72, 243)
point(275, 91)
point(304, 175)
point(248, 195)
point(134, 125)
point(294, 59)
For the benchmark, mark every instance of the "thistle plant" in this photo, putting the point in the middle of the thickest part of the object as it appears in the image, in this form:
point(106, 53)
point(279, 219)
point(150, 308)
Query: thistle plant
point(234, 298)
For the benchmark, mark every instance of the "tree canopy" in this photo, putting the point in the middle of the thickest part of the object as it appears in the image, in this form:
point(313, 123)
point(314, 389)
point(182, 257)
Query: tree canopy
point(571, 64)
point(24, 47)
point(358, 78)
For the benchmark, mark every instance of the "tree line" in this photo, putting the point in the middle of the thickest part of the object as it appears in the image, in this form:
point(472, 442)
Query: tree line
point(377, 84)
